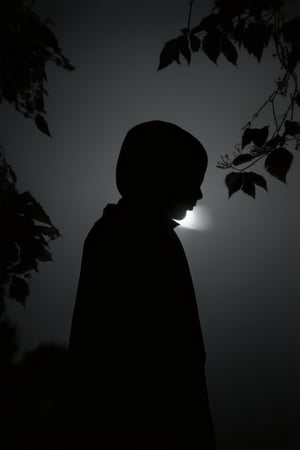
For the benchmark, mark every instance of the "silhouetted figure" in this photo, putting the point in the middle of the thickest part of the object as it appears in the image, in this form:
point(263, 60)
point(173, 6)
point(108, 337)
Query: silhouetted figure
point(136, 347)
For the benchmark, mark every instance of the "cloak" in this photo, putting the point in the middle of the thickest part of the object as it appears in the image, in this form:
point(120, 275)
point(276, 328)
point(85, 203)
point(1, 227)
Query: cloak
point(136, 351)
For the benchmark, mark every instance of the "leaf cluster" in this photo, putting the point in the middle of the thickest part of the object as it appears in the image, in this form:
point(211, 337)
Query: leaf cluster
point(27, 44)
point(278, 158)
point(230, 26)
point(25, 234)
point(251, 25)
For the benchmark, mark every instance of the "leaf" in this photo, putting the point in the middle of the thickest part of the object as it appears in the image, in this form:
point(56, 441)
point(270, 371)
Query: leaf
point(29, 205)
point(292, 128)
point(241, 159)
point(37, 248)
point(42, 124)
point(10, 252)
point(184, 48)
point(278, 163)
point(51, 232)
point(195, 43)
point(234, 182)
point(66, 64)
point(256, 135)
point(247, 137)
point(169, 54)
point(256, 37)
point(43, 254)
point(226, 24)
point(229, 50)
point(259, 180)
point(18, 289)
point(260, 135)
point(212, 45)
point(248, 185)
point(238, 32)
point(208, 23)
point(27, 262)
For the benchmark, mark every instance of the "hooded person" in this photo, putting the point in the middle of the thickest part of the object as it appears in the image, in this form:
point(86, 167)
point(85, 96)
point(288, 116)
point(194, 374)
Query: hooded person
point(136, 349)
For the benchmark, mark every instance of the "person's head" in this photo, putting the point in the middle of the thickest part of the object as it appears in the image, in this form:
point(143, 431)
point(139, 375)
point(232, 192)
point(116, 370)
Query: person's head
point(161, 166)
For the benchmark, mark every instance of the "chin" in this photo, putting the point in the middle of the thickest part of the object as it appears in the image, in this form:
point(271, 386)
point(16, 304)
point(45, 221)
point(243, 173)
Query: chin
point(179, 214)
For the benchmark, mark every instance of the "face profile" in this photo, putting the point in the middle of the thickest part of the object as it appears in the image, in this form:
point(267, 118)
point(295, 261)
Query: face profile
point(162, 167)
point(189, 192)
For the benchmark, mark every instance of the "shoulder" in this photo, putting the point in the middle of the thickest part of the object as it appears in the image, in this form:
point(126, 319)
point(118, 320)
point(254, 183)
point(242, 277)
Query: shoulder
point(115, 233)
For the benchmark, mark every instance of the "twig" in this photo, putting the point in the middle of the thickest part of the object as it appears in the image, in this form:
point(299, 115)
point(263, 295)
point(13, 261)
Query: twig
point(190, 14)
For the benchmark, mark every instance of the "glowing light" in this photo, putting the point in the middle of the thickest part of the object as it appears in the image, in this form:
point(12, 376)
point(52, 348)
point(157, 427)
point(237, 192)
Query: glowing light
point(197, 219)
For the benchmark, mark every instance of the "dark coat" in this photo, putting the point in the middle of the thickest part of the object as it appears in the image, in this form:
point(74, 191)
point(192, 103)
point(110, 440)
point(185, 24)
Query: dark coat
point(136, 347)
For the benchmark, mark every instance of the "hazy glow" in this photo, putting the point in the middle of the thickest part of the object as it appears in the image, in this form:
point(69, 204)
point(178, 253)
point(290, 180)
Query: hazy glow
point(197, 219)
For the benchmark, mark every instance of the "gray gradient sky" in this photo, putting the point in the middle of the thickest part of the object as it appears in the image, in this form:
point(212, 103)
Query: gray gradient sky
point(245, 266)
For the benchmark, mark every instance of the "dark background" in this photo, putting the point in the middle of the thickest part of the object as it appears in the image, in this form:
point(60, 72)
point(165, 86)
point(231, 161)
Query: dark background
point(244, 262)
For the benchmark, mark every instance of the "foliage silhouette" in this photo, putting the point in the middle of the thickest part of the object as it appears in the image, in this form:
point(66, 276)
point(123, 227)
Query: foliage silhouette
point(27, 230)
point(27, 45)
point(252, 25)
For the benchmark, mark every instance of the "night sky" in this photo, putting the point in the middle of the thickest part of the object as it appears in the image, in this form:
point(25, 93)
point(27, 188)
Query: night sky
point(244, 263)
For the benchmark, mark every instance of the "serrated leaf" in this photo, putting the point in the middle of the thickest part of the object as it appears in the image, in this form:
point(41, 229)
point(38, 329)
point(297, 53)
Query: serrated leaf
point(248, 185)
point(278, 163)
point(292, 128)
point(44, 254)
point(259, 180)
point(29, 205)
point(42, 124)
point(229, 50)
point(256, 37)
point(169, 54)
point(234, 182)
point(184, 48)
point(39, 250)
point(241, 159)
point(212, 45)
point(51, 232)
point(195, 43)
point(18, 289)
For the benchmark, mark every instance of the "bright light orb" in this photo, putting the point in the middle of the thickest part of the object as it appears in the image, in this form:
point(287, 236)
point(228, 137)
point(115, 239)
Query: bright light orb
point(197, 219)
